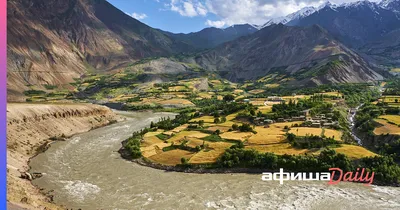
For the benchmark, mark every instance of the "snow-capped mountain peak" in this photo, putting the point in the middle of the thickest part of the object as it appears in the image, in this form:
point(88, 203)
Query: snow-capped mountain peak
point(306, 11)
point(327, 4)
point(393, 5)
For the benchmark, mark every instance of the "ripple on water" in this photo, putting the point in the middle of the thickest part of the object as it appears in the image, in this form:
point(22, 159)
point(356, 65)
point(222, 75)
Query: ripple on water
point(80, 190)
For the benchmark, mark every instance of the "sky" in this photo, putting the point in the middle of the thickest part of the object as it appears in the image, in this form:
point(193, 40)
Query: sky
point(184, 16)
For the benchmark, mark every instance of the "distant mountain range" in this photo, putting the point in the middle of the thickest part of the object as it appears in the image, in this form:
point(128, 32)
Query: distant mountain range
point(211, 37)
point(51, 42)
point(309, 54)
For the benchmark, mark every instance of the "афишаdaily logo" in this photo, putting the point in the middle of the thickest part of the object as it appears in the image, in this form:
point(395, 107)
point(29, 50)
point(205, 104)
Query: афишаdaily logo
point(334, 176)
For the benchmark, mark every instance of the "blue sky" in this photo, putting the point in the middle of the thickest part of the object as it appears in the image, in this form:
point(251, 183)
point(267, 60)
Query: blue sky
point(158, 15)
point(184, 16)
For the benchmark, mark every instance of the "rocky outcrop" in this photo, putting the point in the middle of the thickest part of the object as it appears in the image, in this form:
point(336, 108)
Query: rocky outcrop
point(30, 130)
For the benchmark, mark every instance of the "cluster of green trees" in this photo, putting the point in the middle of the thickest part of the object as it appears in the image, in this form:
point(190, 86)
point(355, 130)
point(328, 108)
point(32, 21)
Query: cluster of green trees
point(219, 108)
point(392, 87)
point(168, 123)
point(132, 144)
point(364, 119)
point(386, 170)
point(292, 109)
point(245, 127)
point(311, 141)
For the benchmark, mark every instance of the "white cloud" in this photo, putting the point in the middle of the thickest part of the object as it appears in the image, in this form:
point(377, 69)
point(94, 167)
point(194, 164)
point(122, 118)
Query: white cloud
point(255, 11)
point(139, 16)
point(217, 24)
point(232, 12)
point(188, 8)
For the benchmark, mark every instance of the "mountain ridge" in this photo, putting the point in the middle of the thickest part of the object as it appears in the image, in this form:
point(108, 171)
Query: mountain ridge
point(290, 48)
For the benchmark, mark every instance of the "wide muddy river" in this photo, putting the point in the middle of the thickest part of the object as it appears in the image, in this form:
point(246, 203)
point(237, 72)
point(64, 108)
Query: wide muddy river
point(87, 172)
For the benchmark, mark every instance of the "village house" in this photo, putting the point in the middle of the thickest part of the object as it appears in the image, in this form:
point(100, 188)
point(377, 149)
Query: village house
point(275, 99)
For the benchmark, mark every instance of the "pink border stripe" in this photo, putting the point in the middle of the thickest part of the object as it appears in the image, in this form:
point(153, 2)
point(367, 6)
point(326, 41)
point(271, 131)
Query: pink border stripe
point(3, 103)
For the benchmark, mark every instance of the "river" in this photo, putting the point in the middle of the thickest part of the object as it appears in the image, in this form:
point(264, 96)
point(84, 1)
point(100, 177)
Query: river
point(352, 125)
point(87, 172)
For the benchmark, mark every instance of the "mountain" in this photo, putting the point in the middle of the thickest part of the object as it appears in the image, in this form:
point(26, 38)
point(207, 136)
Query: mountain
point(291, 17)
point(211, 37)
point(50, 42)
point(385, 51)
point(354, 24)
point(393, 5)
point(307, 55)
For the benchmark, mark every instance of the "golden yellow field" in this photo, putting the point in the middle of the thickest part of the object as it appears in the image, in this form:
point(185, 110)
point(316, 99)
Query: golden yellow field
point(279, 149)
point(283, 124)
point(177, 102)
point(220, 128)
point(153, 149)
point(177, 88)
point(333, 133)
point(303, 131)
point(391, 118)
point(354, 152)
point(260, 139)
point(205, 95)
point(272, 135)
point(172, 157)
point(234, 135)
point(238, 91)
point(386, 128)
point(272, 85)
point(257, 102)
point(265, 109)
point(295, 98)
point(390, 99)
point(206, 119)
point(206, 156)
point(396, 70)
point(184, 135)
point(333, 94)
point(256, 91)
point(180, 128)
point(211, 154)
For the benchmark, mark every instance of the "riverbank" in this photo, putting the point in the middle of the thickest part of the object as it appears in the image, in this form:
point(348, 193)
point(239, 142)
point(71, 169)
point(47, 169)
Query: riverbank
point(216, 170)
point(30, 130)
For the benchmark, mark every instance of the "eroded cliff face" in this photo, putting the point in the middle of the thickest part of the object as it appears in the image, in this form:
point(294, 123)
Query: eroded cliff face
point(30, 127)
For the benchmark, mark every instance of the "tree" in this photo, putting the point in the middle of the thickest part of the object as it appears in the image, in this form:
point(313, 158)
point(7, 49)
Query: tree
point(223, 119)
point(290, 137)
point(184, 161)
point(235, 127)
point(396, 100)
point(201, 123)
point(229, 97)
point(216, 120)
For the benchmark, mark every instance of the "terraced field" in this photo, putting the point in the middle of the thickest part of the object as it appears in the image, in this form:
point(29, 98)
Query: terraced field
point(386, 128)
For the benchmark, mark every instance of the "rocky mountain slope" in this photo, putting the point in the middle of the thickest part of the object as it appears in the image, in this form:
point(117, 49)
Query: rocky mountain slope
point(309, 54)
point(211, 37)
point(52, 42)
point(385, 51)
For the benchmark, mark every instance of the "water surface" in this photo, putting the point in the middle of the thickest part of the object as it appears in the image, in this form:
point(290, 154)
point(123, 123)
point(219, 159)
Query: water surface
point(87, 172)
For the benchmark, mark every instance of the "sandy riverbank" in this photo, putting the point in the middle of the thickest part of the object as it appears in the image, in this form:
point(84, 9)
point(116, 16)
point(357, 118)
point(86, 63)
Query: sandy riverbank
point(30, 127)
